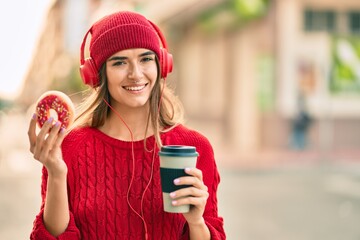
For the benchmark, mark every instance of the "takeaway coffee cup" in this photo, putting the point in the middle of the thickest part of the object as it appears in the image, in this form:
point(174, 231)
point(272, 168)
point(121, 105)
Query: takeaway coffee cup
point(173, 161)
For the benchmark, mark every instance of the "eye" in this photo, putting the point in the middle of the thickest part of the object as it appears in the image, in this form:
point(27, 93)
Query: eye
point(147, 59)
point(118, 63)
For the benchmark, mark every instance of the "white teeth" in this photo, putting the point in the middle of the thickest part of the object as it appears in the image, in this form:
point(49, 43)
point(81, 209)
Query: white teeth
point(137, 88)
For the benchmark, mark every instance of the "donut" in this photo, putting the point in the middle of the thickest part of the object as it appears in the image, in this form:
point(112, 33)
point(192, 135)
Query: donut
point(55, 104)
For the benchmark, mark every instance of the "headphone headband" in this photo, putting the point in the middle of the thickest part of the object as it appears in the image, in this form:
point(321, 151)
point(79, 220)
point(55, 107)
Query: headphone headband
point(82, 48)
point(159, 33)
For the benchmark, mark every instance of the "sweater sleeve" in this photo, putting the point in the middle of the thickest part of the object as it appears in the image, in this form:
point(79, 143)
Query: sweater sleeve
point(206, 163)
point(39, 231)
point(214, 222)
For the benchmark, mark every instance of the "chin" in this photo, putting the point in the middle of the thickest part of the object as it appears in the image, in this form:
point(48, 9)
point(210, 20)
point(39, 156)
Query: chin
point(139, 104)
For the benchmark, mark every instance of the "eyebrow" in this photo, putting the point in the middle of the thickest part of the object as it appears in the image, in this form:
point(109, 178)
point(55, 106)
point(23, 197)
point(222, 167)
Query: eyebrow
point(117, 58)
point(147, 53)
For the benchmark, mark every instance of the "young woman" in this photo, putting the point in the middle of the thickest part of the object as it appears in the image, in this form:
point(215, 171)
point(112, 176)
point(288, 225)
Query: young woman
point(101, 180)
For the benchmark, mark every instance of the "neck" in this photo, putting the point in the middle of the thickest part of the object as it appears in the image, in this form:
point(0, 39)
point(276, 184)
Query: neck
point(135, 121)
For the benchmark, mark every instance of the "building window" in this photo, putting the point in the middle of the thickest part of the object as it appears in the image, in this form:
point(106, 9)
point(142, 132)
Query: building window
point(354, 22)
point(319, 20)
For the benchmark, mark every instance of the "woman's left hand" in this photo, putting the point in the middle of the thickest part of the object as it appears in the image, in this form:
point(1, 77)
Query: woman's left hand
point(196, 195)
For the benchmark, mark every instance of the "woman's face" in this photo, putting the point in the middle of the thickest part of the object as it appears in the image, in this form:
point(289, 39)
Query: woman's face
point(131, 75)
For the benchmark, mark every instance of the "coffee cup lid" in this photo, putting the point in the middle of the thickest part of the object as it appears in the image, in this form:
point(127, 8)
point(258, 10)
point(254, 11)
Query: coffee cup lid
point(178, 151)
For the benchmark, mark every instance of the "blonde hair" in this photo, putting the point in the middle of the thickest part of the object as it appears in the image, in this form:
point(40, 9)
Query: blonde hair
point(93, 111)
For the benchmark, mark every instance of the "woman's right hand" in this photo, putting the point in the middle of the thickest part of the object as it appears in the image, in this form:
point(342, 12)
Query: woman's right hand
point(46, 146)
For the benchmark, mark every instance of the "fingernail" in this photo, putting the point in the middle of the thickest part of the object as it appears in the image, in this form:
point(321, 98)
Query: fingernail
point(172, 194)
point(177, 181)
point(50, 120)
point(57, 124)
point(34, 116)
point(187, 170)
point(174, 202)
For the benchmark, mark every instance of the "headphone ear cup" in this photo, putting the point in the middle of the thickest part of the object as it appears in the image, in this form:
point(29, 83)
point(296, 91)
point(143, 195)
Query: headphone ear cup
point(89, 73)
point(166, 63)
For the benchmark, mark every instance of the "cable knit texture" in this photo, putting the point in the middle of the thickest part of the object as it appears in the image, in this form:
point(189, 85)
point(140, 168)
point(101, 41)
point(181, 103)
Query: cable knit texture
point(99, 174)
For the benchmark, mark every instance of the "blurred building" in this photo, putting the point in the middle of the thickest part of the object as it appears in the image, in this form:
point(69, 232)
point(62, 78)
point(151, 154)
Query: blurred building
point(43, 68)
point(240, 66)
point(318, 57)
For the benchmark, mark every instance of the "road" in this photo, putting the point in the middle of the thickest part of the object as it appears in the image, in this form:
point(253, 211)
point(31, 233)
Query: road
point(299, 202)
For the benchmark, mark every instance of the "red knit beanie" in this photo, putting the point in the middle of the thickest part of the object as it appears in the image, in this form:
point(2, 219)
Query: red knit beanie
point(119, 31)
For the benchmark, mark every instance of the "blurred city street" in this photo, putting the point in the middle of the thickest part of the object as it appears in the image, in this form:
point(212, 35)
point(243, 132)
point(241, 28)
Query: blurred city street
point(294, 200)
point(274, 85)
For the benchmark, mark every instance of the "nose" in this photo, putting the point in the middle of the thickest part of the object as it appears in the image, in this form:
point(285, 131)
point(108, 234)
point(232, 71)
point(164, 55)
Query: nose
point(135, 71)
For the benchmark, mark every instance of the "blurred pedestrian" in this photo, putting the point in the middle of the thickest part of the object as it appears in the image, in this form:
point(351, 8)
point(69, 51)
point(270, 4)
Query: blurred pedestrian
point(102, 180)
point(300, 127)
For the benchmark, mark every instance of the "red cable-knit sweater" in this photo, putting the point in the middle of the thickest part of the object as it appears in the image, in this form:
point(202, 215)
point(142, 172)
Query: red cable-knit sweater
point(99, 173)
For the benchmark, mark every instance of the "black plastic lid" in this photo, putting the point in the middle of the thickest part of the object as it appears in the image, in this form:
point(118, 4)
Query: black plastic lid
point(178, 151)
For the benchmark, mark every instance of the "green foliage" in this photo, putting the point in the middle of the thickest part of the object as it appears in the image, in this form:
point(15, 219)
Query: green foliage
point(70, 84)
point(5, 104)
point(249, 9)
point(265, 83)
point(345, 74)
point(232, 13)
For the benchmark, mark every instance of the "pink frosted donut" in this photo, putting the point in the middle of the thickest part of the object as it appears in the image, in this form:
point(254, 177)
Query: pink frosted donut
point(55, 104)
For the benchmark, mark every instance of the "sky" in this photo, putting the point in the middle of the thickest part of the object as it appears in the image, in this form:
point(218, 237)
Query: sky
point(21, 22)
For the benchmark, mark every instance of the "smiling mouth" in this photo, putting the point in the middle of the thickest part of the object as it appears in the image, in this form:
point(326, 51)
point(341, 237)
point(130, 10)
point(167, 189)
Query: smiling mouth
point(135, 88)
